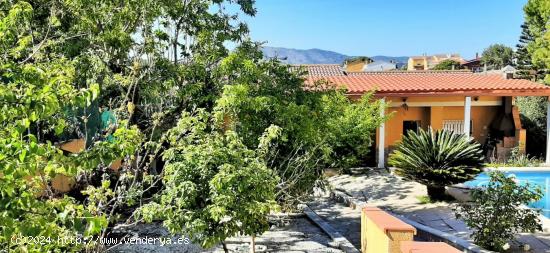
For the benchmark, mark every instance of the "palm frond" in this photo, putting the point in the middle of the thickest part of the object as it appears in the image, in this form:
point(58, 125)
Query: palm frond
point(437, 158)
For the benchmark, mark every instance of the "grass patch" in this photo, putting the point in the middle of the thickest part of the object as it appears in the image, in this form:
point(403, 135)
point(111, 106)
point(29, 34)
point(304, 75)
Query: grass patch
point(424, 199)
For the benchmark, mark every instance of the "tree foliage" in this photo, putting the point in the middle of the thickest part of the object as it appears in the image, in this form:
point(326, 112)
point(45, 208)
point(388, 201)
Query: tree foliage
point(497, 56)
point(145, 63)
point(320, 126)
point(437, 159)
point(59, 57)
point(358, 59)
point(215, 186)
point(524, 64)
point(38, 87)
point(537, 15)
point(532, 58)
point(533, 119)
point(350, 128)
point(447, 65)
point(496, 214)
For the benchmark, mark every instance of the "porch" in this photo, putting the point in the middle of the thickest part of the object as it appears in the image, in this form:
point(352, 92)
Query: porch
point(493, 121)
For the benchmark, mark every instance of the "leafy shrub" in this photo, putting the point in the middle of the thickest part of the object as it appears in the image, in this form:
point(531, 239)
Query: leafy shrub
point(447, 65)
point(215, 187)
point(517, 159)
point(350, 127)
point(496, 214)
point(437, 159)
point(320, 127)
point(424, 200)
point(533, 119)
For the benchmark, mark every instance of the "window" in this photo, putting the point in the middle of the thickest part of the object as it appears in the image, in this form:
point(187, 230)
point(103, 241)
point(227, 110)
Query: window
point(410, 125)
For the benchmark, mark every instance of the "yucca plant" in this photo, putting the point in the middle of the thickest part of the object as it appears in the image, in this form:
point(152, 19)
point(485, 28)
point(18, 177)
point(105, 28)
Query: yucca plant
point(437, 159)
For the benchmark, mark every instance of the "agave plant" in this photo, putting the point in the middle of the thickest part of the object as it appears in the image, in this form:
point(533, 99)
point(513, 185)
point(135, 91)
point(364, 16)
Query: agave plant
point(437, 159)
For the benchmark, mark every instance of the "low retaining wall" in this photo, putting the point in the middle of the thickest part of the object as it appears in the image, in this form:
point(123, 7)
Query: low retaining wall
point(423, 231)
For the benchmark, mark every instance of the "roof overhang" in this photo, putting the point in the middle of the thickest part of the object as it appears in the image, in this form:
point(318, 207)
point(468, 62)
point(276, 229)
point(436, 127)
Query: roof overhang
point(489, 93)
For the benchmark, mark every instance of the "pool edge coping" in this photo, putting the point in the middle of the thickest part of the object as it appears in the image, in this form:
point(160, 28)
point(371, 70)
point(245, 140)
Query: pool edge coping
point(526, 169)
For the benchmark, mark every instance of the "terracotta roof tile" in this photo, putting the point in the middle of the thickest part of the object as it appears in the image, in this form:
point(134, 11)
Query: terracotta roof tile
point(431, 82)
point(320, 69)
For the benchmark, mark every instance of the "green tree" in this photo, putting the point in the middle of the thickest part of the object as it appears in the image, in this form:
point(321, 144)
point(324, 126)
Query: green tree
point(63, 60)
point(39, 85)
point(537, 14)
point(143, 62)
point(526, 69)
point(320, 126)
point(349, 128)
point(533, 119)
point(437, 159)
point(215, 186)
point(532, 55)
point(364, 59)
point(496, 214)
point(497, 56)
point(447, 65)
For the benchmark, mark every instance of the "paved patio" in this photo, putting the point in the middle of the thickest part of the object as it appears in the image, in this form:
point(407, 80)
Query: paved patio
point(399, 196)
point(295, 234)
point(299, 235)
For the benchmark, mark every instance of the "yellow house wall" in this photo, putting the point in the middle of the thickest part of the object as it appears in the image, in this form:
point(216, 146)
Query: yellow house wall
point(374, 239)
point(411, 63)
point(377, 241)
point(434, 116)
point(355, 66)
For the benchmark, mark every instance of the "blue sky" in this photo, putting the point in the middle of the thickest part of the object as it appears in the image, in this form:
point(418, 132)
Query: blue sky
point(388, 27)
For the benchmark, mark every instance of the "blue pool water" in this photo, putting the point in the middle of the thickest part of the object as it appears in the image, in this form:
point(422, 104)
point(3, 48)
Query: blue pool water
point(539, 178)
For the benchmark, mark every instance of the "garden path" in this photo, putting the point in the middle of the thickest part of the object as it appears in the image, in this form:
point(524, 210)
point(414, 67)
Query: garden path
point(293, 234)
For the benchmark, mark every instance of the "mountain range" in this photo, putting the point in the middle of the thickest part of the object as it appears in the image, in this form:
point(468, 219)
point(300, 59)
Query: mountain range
point(319, 56)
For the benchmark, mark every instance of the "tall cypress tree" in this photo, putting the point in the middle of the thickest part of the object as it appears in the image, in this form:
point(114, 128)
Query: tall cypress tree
point(525, 67)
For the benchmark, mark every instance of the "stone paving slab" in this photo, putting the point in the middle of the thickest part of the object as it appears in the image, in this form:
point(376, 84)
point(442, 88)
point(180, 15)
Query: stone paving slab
point(343, 219)
point(300, 236)
point(296, 234)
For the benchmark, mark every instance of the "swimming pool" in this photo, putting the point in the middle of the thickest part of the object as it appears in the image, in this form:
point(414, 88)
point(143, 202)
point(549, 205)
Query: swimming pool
point(540, 178)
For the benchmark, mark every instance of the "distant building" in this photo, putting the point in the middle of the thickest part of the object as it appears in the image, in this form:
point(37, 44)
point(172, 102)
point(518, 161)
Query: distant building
point(427, 62)
point(474, 64)
point(356, 64)
point(379, 66)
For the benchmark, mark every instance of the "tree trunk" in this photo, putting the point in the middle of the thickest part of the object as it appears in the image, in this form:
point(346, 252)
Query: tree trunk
point(224, 245)
point(253, 244)
point(437, 192)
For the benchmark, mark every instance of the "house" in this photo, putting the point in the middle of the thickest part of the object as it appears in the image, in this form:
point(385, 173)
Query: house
point(477, 104)
point(379, 66)
point(356, 64)
point(427, 62)
point(474, 64)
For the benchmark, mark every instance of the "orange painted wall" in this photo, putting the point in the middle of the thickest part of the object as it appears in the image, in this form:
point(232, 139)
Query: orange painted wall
point(434, 116)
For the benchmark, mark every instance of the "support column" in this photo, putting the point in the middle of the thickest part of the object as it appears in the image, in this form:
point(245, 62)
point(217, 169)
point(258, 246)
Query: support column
point(381, 135)
point(548, 131)
point(467, 114)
